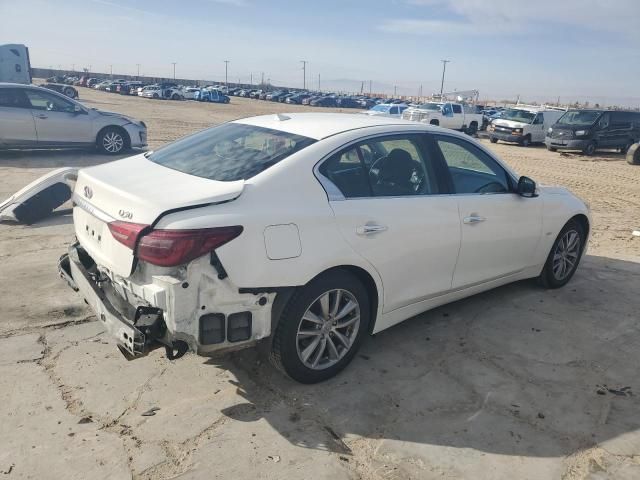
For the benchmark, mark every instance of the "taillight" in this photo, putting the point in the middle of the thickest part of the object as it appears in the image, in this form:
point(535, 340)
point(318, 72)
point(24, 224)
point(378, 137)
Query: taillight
point(169, 248)
point(126, 232)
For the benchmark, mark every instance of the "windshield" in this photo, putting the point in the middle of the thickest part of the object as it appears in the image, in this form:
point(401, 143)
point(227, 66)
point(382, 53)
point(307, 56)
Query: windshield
point(380, 108)
point(579, 118)
point(516, 115)
point(430, 106)
point(229, 152)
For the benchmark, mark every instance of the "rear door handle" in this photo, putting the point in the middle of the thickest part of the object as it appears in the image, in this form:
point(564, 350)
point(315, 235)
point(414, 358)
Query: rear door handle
point(473, 219)
point(370, 229)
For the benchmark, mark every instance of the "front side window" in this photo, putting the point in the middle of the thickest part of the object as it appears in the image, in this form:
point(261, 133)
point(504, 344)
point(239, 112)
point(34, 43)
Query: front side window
point(457, 109)
point(229, 152)
point(471, 170)
point(604, 121)
point(391, 166)
point(49, 102)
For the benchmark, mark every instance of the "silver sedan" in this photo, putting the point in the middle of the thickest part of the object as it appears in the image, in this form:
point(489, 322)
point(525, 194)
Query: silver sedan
point(34, 117)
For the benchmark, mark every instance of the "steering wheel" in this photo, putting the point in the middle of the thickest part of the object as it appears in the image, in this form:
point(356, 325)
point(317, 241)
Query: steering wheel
point(491, 187)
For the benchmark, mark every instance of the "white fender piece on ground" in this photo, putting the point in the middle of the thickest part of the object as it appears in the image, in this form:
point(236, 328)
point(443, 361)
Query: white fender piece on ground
point(41, 197)
point(633, 154)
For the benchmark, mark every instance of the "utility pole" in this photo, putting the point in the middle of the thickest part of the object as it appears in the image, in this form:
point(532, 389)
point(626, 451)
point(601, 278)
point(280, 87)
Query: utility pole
point(174, 69)
point(111, 69)
point(304, 74)
point(138, 65)
point(420, 91)
point(444, 69)
point(395, 90)
point(226, 71)
point(319, 83)
point(73, 68)
point(370, 83)
point(262, 81)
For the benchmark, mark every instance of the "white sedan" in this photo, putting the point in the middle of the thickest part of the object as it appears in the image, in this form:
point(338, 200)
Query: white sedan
point(312, 229)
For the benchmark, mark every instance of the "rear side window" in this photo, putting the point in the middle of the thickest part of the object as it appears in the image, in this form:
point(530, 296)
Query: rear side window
point(13, 97)
point(229, 152)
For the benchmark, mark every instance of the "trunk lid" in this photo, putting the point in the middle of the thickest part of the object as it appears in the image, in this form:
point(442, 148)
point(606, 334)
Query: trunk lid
point(136, 190)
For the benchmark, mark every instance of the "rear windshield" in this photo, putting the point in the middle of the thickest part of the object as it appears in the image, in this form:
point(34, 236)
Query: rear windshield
point(579, 118)
point(229, 152)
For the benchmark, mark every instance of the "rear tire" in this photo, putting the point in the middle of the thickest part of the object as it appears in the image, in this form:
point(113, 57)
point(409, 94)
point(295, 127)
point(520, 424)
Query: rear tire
point(112, 141)
point(293, 351)
point(564, 256)
point(175, 96)
point(493, 140)
point(69, 92)
point(472, 129)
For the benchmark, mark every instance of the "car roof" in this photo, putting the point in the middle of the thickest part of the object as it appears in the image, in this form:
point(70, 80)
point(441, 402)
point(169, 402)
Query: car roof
point(319, 125)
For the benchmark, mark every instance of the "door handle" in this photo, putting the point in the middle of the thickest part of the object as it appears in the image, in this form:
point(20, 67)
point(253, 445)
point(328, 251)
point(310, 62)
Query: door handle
point(473, 219)
point(370, 229)
point(42, 115)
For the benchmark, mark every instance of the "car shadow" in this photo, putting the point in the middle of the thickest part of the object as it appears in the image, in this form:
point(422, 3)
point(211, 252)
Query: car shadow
point(518, 370)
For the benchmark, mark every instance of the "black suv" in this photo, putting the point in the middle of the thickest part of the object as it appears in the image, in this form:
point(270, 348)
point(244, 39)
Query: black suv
point(589, 130)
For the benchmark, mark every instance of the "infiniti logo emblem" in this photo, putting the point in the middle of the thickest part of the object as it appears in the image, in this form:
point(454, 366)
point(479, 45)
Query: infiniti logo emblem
point(88, 192)
point(125, 214)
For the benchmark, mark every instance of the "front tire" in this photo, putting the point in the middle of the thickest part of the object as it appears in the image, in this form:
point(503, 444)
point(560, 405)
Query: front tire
point(112, 141)
point(321, 328)
point(564, 256)
point(552, 149)
point(493, 140)
point(590, 149)
point(526, 141)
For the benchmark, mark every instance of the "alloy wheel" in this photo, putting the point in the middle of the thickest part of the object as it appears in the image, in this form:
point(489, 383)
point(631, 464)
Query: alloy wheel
point(328, 329)
point(566, 254)
point(113, 142)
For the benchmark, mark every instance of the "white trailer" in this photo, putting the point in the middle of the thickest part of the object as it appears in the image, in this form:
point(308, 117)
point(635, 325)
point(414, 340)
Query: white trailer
point(15, 66)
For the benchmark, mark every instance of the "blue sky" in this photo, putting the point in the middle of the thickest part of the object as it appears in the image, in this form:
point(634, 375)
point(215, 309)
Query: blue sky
point(541, 49)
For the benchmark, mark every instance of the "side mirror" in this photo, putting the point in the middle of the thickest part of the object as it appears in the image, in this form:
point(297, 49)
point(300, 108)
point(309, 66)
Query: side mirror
point(526, 187)
point(77, 109)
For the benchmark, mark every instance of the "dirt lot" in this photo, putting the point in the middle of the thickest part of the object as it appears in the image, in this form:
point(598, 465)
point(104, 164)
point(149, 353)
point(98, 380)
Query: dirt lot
point(516, 383)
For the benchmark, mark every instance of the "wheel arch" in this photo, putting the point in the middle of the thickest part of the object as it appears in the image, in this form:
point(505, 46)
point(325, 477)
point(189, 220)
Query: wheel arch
point(125, 134)
point(284, 295)
point(583, 221)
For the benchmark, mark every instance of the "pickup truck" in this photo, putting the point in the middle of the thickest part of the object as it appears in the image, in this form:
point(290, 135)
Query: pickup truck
point(456, 116)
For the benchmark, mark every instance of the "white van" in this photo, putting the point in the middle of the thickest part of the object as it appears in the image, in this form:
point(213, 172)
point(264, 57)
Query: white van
point(523, 124)
point(15, 66)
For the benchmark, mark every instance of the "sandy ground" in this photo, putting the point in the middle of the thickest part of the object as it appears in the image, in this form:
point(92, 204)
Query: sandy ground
point(503, 385)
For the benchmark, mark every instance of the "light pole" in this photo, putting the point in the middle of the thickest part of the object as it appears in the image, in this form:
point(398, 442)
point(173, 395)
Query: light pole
point(138, 65)
point(304, 74)
point(444, 69)
point(395, 90)
point(111, 69)
point(174, 69)
point(226, 73)
point(319, 83)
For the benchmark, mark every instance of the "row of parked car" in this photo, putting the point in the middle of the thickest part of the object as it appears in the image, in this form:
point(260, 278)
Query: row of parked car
point(312, 98)
point(163, 90)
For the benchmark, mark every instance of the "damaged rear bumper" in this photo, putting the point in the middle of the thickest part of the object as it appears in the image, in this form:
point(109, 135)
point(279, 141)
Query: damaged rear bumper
point(134, 338)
